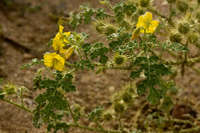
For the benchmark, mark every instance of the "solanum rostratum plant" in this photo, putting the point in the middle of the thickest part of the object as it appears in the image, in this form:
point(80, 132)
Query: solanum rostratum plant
point(152, 48)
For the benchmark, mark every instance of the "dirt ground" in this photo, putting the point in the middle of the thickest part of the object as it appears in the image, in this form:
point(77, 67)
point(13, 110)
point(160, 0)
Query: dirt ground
point(32, 24)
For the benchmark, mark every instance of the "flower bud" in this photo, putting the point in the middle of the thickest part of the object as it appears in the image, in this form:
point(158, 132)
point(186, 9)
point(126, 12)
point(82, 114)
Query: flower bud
point(182, 6)
point(176, 37)
point(184, 28)
point(193, 38)
point(135, 33)
point(144, 3)
point(119, 108)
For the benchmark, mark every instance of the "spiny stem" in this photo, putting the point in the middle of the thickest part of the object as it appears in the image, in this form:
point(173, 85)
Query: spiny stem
point(17, 105)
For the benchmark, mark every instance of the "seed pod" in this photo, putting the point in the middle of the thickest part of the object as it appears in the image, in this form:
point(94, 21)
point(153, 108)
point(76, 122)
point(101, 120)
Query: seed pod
point(184, 28)
point(119, 108)
point(100, 27)
point(109, 30)
point(176, 37)
point(127, 97)
point(144, 3)
point(182, 6)
point(171, 1)
point(193, 38)
point(119, 59)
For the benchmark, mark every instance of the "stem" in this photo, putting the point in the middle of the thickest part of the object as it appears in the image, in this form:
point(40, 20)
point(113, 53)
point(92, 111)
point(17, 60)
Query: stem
point(17, 105)
point(94, 129)
point(71, 113)
point(190, 130)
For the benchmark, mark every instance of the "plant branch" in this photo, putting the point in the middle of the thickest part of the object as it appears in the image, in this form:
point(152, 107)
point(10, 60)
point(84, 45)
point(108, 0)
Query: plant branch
point(17, 105)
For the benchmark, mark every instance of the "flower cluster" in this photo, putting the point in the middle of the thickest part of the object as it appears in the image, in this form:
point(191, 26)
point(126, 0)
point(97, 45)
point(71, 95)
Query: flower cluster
point(56, 60)
point(145, 24)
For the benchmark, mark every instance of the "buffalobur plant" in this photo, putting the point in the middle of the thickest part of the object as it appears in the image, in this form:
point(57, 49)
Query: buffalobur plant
point(149, 46)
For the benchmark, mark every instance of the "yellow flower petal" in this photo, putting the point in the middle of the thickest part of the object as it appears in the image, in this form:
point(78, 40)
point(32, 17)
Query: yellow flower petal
point(67, 34)
point(48, 60)
point(57, 42)
point(140, 21)
point(58, 63)
point(53, 60)
point(153, 26)
point(148, 16)
point(61, 28)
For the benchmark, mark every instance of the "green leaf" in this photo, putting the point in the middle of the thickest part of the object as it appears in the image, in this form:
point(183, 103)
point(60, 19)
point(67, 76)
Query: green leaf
point(86, 48)
point(87, 14)
point(98, 50)
point(84, 64)
point(75, 20)
point(129, 9)
point(48, 83)
point(167, 104)
point(135, 74)
point(66, 83)
point(114, 44)
point(159, 69)
point(140, 60)
point(103, 59)
point(154, 96)
point(142, 87)
point(118, 10)
point(101, 14)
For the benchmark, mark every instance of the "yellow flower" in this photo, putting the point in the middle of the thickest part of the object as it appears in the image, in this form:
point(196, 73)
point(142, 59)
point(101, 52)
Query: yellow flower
point(57, 42)
point(67, 52)
point(55, 61)
point(146, 24)
point(60, 28)
point(60, 39)
point(66, 35)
